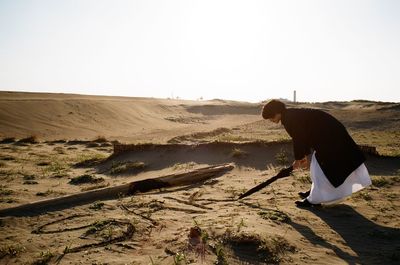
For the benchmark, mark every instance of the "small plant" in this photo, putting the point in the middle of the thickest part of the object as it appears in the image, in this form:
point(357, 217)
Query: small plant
point(10, 250)
point(84, 179)
point(45, 193)
point(380, 182)
point(232, 191)
point(364, 195)
point(305, 179)
point(89, 160)
point(275, 215)
point(220, 252)
point(240, 225)
point(44, 258)
point(30, 182)
point(238, 153)
point(179, 258)
point(281, 157)
point(4, 191)
point(124, 167)
point(60, 150)
point(97, 206)
point(268, 250)
point(29, 177)
point(184, 166)
point(57, 167)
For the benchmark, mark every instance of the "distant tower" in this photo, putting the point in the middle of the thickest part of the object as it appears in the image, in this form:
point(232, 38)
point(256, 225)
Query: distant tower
point(294, 96)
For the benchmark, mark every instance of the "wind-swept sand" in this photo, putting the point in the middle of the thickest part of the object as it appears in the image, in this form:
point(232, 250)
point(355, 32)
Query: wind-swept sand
point(199, 223)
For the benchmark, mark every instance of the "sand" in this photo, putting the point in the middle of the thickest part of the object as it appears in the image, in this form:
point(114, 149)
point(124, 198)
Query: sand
point(202, 223)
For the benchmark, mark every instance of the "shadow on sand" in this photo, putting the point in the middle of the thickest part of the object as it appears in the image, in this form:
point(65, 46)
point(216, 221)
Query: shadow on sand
point(372, 243)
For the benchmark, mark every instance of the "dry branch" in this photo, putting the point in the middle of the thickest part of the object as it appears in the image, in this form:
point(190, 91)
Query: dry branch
point(179, 179)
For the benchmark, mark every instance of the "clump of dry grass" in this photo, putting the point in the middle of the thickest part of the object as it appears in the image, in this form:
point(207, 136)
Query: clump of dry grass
point(184, 166)
point(60, 150)
point(381, 182)
point(7, 140)
point(304, 178)
point(45, 193)
point(127, 167)
point(281, 157)
point(30, 182)
point(254, 248)
point(29, 140)
point(275, 215)
point(4, 191)
point(44, 258)
point(84, 179)
point(231, 138)
point(90, 160)
point(96, 206)
point(238, 153)
point(11, 250)
point(363, 195)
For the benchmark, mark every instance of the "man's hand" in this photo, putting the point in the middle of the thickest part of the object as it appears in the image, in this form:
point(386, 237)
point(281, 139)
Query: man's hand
point(302, 164)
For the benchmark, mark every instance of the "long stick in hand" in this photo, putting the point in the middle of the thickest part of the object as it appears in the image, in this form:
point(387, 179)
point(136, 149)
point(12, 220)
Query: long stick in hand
point(282, 174)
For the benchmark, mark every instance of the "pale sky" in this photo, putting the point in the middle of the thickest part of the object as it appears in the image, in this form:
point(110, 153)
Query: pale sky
point(241, 50)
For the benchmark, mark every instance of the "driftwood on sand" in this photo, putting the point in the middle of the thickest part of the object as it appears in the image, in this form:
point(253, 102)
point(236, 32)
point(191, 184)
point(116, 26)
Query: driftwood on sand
point(179, 179)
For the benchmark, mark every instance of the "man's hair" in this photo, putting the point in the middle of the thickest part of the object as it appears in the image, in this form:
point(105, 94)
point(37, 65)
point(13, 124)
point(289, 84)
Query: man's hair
point(273, 107)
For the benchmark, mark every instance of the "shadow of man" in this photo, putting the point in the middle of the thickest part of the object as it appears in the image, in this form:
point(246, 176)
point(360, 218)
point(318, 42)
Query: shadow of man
point(372, 243)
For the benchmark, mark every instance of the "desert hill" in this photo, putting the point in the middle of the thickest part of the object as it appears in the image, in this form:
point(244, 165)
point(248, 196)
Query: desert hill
point(73, 153)
point(68, 116)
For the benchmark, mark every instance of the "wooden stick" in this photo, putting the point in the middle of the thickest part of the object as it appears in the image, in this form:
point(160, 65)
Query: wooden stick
point(108, 193)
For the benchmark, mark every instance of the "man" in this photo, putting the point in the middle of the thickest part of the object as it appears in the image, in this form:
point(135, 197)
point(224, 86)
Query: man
point(337, 165)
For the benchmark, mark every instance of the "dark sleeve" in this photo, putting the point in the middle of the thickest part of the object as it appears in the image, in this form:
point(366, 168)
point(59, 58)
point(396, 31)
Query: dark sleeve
point(301, 147)
point(297, 127)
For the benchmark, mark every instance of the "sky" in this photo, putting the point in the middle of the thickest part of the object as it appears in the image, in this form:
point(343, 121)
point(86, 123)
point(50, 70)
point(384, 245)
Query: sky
point(326, 50)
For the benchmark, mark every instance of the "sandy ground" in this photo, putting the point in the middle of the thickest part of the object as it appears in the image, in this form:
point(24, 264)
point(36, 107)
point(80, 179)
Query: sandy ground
point(202, 223)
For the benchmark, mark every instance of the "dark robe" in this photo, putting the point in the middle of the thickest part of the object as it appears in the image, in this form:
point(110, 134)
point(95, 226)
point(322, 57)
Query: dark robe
point(336, 152)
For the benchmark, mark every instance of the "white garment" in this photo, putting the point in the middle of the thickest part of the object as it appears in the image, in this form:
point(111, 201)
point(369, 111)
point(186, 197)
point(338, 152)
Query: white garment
point(322, 191)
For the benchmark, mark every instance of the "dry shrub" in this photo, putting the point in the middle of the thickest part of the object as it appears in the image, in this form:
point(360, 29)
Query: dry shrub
point(29, 140)
point(7, 140)
point(282, 157)
point(10, 250)
point(84, 179)
point(253, 248)
point(127, 167)
point(238, 153)
point(380, 182)
point(275, 215)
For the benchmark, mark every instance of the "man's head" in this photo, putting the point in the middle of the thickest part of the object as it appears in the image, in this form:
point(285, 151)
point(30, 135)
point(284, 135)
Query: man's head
point(273, 110)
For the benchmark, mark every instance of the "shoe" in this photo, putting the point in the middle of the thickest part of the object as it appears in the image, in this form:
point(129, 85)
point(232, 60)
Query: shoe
point(305, 194)
point(304, 204)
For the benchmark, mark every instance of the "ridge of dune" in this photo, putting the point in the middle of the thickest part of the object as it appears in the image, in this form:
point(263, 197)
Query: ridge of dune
point(70, 116)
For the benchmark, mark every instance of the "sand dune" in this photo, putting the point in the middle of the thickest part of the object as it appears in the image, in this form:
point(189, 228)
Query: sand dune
point(61, 116)
point(199, 223)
